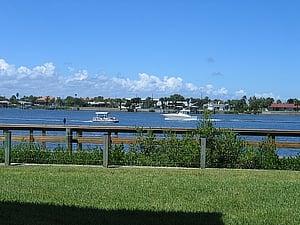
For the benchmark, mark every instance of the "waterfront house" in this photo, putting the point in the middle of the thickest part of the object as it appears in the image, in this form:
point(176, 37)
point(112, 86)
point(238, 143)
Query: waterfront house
point(25, 104)
point(216, 107)
point(98, 104)
point(4, 103)
point(283, 107)
point(45, 100)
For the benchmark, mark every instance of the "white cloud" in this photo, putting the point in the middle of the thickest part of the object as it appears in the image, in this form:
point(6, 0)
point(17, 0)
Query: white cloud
point(221, 91)
point(191, 87)
point(146, 82)
point(240, 93)
point(265, 95)
point(6, 69)
point(24, 70)
point(81, 75)
point(4, 66)
point(207, 89)
point(172, 83)
point(45, 80)
point(47, 69)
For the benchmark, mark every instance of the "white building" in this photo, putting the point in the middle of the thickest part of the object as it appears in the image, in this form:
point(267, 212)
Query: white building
point(216, 106)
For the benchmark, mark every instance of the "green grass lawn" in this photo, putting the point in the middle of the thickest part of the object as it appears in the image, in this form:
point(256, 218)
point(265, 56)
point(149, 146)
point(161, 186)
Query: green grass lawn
point(87, 195)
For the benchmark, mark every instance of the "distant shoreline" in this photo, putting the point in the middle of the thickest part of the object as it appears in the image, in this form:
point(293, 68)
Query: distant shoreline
point(280, 113)
point(106, 109)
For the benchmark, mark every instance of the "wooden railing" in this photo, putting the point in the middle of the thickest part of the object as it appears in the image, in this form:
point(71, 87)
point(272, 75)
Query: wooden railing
point(74, 134)
point(107, 135)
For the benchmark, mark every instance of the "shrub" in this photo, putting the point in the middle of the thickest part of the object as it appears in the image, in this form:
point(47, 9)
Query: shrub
point(268, 156)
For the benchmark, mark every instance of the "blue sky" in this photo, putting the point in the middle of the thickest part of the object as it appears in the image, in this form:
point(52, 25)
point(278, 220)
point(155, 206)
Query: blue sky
point(218, 48)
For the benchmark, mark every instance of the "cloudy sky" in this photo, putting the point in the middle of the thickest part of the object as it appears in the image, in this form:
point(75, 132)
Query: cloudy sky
point(216, 48)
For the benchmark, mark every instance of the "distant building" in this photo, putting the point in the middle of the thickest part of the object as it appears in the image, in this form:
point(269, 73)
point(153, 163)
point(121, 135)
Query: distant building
point(25, 103)
point(216, 107)
point(4, 103)
point(176, 104)
point(44, 100)
point(98, 104)
point(283, 107)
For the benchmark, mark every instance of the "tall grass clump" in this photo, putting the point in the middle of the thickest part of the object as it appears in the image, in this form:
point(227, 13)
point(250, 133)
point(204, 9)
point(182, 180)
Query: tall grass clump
point(166, 150)
point(36, 153)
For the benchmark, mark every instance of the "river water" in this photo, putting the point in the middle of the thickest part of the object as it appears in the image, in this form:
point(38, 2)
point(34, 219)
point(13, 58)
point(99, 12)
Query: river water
point(148, 119)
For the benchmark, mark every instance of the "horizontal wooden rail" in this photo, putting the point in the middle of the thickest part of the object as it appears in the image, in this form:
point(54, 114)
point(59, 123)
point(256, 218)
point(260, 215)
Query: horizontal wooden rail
point(106, 129)
point(52, 139)
point(119, 140)
point(74, 134)
point(279, 144)
point(59, 139)
point(130, 129)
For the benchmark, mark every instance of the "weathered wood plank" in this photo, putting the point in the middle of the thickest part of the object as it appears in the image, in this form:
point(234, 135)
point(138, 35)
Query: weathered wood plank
point(292, 145)
point(79, 139)
point(69, 139)
point(128, 129)
point(118, 140)
point(7, 148)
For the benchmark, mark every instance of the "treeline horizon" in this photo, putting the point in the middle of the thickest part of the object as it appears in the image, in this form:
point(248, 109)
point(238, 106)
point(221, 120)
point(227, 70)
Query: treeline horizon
point(240, 105)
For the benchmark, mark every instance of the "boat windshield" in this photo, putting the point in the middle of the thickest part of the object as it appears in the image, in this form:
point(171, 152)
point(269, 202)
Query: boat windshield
point(102, 114)
point(184, 111)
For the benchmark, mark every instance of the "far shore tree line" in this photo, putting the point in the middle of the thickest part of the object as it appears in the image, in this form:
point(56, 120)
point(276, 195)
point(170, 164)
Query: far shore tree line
point(176, 101)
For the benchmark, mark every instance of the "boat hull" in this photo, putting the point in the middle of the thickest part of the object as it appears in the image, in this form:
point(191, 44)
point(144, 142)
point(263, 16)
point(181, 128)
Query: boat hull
point(177, 116)
point(97, 120)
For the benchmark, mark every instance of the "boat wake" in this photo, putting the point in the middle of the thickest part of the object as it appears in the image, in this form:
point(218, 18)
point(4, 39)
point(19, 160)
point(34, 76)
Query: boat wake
point(181, 119)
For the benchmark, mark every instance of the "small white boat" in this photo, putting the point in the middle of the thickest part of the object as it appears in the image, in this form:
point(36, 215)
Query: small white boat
point(104, 117)
point(183, 114)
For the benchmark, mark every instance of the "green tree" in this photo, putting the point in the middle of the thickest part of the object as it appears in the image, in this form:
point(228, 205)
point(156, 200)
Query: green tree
point(59, 101)
point(13, 99)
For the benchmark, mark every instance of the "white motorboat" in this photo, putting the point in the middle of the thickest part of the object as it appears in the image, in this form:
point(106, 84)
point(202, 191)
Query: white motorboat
point(104, 117)
point(183, 114)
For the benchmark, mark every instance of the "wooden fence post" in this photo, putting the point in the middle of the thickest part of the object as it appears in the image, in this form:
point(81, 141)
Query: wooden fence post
point(107, 143)
point(7, 146)
point(43, 142)
point(31, 136)
point(69, 137)
point(203, 153)
point(79, 145)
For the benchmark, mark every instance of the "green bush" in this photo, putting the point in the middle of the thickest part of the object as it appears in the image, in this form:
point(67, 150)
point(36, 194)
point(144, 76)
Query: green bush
point(249, 157)
point(35, 153)
point(117, 154)
point(1, 154)
point(166, 150)
point(268, 156)
point(289, 163)
point(224, 148)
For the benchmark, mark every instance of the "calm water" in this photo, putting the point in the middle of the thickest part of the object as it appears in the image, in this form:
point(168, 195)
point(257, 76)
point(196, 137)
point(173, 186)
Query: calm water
point(291, 122)
point(288, 122)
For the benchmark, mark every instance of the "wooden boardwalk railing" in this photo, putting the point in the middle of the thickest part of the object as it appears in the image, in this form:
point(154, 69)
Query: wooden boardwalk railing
point(106, 135)
point(74, 134)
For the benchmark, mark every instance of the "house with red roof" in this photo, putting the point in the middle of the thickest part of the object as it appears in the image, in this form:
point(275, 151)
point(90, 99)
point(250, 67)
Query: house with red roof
point(284, 107)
